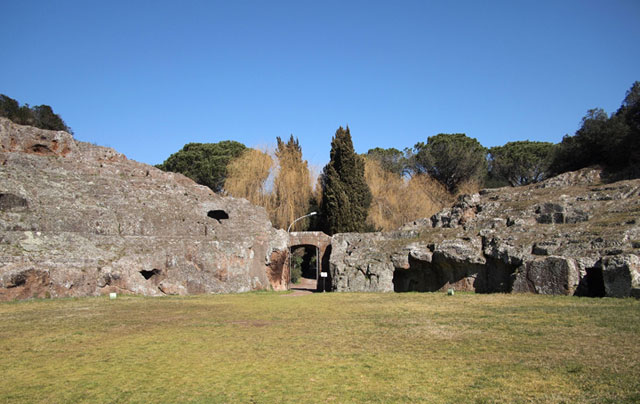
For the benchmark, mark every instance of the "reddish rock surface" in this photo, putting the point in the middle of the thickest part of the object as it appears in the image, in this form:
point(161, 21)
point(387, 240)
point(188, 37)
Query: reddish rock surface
point(78, 219)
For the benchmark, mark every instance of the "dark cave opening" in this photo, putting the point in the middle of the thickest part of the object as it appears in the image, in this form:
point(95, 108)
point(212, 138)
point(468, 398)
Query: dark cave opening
point(150, 274)
point(592, 284)
point(218, 214)
point(420, 277)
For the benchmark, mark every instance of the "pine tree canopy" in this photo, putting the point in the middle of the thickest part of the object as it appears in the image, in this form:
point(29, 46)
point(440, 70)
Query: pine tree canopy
point(205, 163)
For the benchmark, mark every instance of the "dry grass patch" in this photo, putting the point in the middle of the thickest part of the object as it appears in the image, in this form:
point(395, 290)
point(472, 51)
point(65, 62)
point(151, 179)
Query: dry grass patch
point(261, 347)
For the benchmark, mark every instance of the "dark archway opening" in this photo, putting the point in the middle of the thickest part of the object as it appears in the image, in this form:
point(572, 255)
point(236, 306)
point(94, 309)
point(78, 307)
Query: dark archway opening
point(218, 214)
point(305, 270)
point(592, 285)
point(150, 274)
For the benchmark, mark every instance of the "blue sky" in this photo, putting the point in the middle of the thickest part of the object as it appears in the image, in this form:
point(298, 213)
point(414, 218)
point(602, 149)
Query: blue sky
point(146, 77)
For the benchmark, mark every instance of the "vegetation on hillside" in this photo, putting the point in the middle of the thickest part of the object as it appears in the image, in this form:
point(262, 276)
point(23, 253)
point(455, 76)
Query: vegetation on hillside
point(40, 116)
point(400, 186)
point(452, 159)
point(205, 163)
point(397, 200)
point(610, 141)
point(520, 163)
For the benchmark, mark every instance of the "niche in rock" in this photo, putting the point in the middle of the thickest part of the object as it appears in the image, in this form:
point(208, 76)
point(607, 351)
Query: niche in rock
point(442, 273)
point(12, 202)
point(421, 276)
point(150, 274)
point(592, 285)
point(218, 214)
point(497, 276)
point(41, 149)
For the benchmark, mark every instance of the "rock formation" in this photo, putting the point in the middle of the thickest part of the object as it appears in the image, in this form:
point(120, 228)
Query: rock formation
point(78, 219)
point(568, 235)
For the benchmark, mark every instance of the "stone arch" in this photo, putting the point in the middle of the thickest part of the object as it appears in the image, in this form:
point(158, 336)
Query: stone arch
point(322, 242)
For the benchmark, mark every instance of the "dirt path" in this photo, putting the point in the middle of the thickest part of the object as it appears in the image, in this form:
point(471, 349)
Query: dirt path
point(306, 286)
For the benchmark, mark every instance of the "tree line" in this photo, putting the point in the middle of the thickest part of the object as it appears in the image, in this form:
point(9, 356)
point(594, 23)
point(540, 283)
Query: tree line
point(385, 188)
point(40, 116)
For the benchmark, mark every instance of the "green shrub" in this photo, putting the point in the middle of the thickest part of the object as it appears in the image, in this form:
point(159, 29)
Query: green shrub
point(40, 116)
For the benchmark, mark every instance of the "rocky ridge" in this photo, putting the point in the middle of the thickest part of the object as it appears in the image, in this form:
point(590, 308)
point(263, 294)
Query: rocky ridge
point(569, 235)
point(78, 219)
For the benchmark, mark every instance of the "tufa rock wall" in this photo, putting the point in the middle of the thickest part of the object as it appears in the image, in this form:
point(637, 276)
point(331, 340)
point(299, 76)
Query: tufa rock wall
point(78, 220)
point(570, 235)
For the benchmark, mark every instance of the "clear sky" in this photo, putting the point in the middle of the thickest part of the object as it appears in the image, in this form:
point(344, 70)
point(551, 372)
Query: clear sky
point(146, 77)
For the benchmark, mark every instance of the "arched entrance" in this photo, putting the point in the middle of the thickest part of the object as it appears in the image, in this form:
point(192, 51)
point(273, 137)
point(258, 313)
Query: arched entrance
point(309, 254)
point(305, 267)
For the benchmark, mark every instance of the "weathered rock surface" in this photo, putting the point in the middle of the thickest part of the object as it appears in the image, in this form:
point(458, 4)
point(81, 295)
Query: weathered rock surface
point(568, 235)
point(78, 219)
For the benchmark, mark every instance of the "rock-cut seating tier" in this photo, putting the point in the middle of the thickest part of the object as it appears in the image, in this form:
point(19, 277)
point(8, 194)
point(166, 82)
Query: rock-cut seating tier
point(569, 235)
point(79, 220)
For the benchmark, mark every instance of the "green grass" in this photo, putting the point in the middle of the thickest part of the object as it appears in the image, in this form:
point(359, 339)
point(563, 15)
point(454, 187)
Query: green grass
point(273, 348)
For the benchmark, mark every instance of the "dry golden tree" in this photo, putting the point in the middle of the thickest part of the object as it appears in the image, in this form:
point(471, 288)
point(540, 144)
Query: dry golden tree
point(292, 191)
point(398, 200)
point(247, 177)
point(281, 185)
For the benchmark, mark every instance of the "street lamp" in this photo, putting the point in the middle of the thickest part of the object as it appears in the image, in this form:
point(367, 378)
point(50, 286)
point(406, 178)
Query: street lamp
point(300, 218)
point(289, 236)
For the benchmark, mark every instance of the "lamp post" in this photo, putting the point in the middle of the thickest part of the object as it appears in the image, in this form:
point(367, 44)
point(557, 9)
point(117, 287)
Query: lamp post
point(290, 251)
point(300, 218)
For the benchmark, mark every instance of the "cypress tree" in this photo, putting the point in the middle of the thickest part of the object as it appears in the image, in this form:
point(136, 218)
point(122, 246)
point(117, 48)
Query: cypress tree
point(345, 194)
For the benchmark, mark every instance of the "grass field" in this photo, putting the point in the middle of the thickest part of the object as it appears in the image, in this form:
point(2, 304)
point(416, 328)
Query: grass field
point(271, 348)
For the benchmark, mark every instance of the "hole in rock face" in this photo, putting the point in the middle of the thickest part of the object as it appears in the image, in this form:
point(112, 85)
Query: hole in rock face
point(595, 280)
point(11, 201)
point(218, 214)
point(420, 277)
point(592, 285)
point(41, 149)
point(149, 274)
point(17, 280)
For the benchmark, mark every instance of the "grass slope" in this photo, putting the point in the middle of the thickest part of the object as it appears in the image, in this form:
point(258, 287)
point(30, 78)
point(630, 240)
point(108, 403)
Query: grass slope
point(269, 347)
